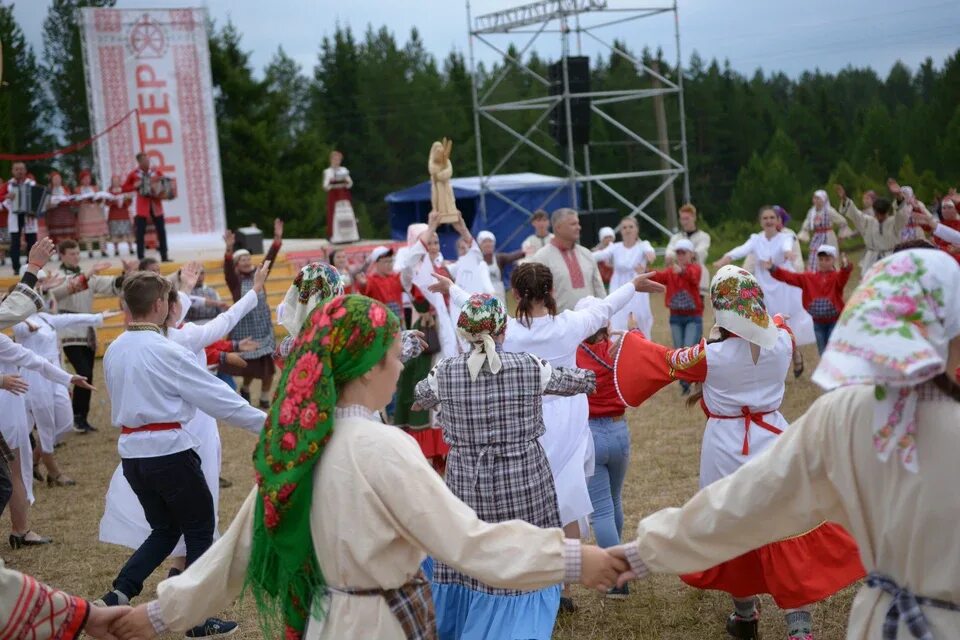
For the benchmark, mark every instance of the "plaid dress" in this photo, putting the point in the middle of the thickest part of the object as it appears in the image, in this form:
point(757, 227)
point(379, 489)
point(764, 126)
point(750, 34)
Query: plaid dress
point(496, 464)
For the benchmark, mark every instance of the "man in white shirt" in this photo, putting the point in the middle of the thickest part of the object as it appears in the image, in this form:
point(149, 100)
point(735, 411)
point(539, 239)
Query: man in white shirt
point(155, 387)
point(575, 272)
point(541, 235)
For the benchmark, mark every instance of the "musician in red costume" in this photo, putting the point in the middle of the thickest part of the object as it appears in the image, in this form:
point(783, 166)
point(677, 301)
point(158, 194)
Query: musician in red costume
point(147, 206)
point(337, 183)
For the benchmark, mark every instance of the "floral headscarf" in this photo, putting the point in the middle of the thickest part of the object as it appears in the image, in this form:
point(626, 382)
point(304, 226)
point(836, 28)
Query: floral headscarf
point(316, 282)
point(482, 318)
point(738, 306)
point(894, 333)
point(340, 341)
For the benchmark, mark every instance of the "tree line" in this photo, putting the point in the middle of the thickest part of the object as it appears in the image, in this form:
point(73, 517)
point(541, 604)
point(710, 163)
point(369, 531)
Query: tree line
point(767, 138)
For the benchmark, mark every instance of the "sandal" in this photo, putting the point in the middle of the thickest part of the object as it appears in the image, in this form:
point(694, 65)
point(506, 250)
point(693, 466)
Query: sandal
point(22, 541)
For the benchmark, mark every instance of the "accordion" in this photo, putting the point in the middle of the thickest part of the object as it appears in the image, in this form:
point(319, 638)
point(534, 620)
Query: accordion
point(30, 199)
point(163, 188)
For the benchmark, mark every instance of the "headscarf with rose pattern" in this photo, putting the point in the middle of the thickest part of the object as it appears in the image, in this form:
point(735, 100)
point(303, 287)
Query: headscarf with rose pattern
point(482, 318)
point(340, 341)
point(894, 334)
point(738, 306)
point(315, 283)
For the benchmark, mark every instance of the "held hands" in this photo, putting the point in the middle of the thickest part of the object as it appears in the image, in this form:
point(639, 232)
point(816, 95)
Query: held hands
point(628, 574)
point(248, 344)
point(104, 623)
point(766, 264)
point(235, 360)
point(600, 569)
point(643, 284)
point(260, 276)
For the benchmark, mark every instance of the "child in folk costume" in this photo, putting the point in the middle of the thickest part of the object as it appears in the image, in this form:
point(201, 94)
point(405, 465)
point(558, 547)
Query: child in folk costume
point(119, 223)
point(48, 404)
point(539, 330)
point(91, 223)
point(123, 522)
point(877, 455)
point(775, 246)
point(628, 258)
point(822, 290)
point(156, 387)
point(682, 280)
point(331, 539)
point(61, 215)
point(496, 465)
point(606, 235)
point(742, 369)
point(818, 227)
point(239, 272)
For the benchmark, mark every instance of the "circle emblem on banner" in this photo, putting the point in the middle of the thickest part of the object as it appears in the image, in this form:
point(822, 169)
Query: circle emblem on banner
point(147, 38)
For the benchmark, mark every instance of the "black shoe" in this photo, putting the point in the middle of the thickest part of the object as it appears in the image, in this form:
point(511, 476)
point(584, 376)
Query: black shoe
point(78, 427)
point(245, 395)
point(112, 599)
point(86, 426)
point(225, 484)
point(742, 628)
point(265, 405)
point(173, 572)
point(21, 541)
point(213, 628)
point(567, 605)
point(37, 475)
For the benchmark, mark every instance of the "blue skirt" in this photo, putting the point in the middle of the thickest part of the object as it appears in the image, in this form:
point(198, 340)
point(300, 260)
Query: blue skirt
point(465, 614)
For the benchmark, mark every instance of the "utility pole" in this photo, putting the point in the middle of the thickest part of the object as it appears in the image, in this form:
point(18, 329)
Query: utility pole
point(660, 114)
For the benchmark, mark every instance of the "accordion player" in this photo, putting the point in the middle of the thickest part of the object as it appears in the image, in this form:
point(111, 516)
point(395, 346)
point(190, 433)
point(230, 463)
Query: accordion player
point(29, 199)
point(163, 188)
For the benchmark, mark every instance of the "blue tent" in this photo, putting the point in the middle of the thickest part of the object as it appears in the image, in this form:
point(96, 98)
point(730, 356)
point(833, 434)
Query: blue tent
point(510, 224)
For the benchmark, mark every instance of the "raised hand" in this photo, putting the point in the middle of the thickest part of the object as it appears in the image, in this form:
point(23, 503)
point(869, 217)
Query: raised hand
point(103, 265)
point(130, 265)
point(40, 253)
point(461, 227)
point(277, 229)
point(600, 570)
point(189, 274)
point(229, 239)
point(132, 624)
point(51, 282)
point(80, 381)
point(14, 384)
point(893, 186)
point(643, 284)
point(248, 344)
point(260, 276)
point(101, 622)
point(844, 262)
point(442, 284)
point(433, 220)
point(841, 192)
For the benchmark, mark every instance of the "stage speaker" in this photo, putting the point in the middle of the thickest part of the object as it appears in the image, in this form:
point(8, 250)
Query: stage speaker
point(249, 238)
point(578, 75)
point(592, 221)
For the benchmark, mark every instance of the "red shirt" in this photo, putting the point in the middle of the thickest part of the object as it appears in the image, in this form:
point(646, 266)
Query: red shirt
point(143, 203)
point(217, 350)
point(387, 289)
point(604, 402)
point(943, 244)
point(822, 290)
point(683, 290)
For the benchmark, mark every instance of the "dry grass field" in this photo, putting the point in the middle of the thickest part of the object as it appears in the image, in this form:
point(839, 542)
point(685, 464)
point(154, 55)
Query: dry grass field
point(663, 472)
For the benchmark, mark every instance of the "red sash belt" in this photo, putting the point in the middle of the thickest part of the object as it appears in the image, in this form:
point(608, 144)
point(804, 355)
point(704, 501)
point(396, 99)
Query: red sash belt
point(748, 417)
point(153, 426)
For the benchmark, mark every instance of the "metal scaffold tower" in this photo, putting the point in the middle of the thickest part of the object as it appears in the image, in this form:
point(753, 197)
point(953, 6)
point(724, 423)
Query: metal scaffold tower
point(579, 20)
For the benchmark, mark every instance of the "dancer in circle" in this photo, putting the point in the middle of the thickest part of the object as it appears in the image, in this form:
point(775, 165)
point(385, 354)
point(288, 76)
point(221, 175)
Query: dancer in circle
point(628, 258)
point(818, 227)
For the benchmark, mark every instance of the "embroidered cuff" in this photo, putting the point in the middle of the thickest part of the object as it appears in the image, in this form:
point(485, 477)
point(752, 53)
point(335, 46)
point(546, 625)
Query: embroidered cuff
point(636, 563)
point(571, 560)
point(156, 618)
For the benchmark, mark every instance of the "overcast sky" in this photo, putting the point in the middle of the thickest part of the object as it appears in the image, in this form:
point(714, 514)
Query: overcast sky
point(781, 35)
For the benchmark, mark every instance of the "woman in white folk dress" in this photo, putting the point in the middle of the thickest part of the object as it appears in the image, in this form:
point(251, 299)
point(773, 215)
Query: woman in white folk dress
point(123, 522)
point(628, 258)
point(777, 247)
point(346, 508)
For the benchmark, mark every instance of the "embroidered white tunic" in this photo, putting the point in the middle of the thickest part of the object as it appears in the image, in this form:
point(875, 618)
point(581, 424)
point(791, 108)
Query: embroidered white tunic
point(625, 261)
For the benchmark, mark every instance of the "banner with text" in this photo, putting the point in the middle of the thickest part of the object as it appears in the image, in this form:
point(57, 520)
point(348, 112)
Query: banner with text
point(157, 62)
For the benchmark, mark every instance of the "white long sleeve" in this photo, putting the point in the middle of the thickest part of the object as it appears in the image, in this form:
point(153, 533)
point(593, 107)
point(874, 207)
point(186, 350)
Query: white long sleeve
point(596, 316)
point(741, 252)
point(195, 337)
point(212, 396)
point(947, 234)
point(13, 353)
point(70, 320)
point(605, 254)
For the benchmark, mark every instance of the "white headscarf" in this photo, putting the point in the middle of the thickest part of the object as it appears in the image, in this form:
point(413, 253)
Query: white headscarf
point(820, 193)
point(894, 333)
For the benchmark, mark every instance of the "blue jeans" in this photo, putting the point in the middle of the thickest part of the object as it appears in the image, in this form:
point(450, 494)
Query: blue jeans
point(686, 332)
point(228, 379)
point(611, 442)
point(822, 331)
